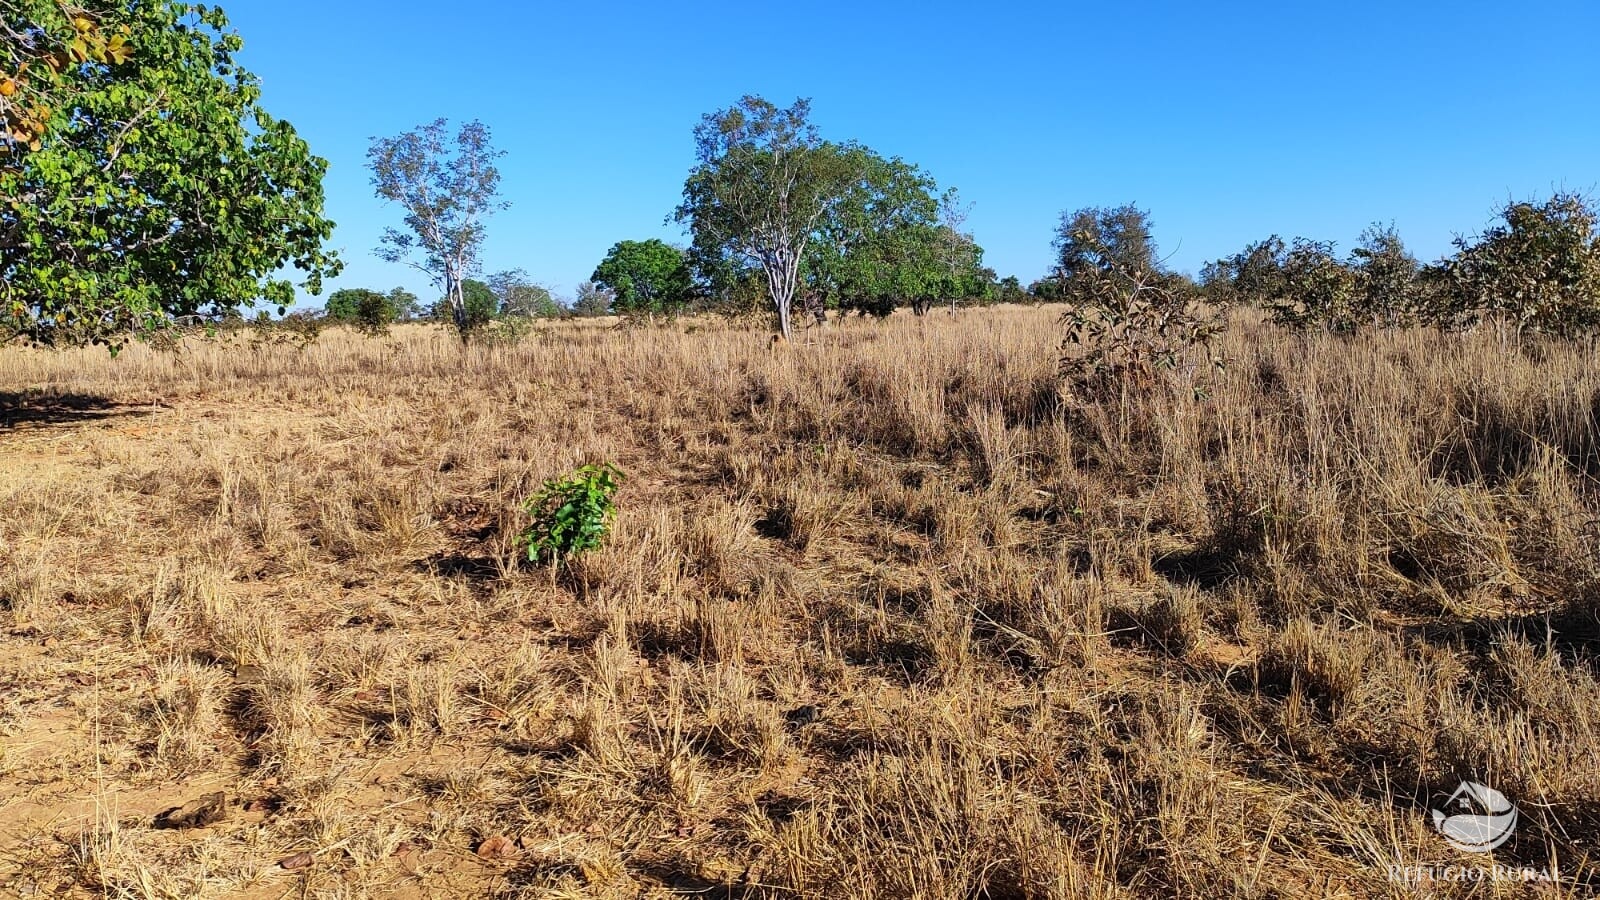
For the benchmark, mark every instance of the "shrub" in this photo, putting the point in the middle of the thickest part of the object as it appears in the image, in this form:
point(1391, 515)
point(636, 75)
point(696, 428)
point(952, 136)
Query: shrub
point(1318, 289)
point(1130, 328)
point(506, 331)
point(1540, 270)
point(572, 515)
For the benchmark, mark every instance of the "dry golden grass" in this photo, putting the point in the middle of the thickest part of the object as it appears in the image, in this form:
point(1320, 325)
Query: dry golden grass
point(882, 616)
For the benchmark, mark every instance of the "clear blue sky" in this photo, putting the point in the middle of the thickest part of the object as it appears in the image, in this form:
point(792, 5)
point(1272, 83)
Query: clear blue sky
point(1227, 121)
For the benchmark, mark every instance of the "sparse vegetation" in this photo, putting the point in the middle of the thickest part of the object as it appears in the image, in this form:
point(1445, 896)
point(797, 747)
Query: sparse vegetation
point(880, 617)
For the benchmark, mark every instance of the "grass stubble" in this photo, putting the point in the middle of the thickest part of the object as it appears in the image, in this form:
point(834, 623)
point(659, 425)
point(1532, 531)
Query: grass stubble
point(885, 614)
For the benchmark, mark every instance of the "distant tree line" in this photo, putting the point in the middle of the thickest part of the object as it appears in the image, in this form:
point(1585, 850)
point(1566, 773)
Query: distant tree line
point(505, 295)
point(1536, 269)
point(143, 187)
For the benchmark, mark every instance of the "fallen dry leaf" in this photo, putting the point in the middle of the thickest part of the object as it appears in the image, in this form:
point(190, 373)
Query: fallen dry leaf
point(298, 861)
point(497, 847)
point(196, 813)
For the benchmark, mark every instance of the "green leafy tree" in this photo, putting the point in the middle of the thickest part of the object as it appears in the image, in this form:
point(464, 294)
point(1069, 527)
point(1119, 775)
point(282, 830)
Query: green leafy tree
point(877, 245)
point(1318, 289)
point(479, 304)
point(762, 183)
point(1539, 270)
point(446, 192)
point(898, 265)
point(368, 310)
point(1256, 275)
point(344, 305)
point(1048, 289)
point(1010, 290)
point(406, 305)
point(1127, 319)
point(648, 277)
point(147, 183)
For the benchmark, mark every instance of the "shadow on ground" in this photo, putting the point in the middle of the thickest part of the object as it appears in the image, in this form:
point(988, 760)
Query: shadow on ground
point(31, 409)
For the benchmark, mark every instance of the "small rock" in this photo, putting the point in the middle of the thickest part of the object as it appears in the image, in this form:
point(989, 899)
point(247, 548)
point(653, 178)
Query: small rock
point(199, 813)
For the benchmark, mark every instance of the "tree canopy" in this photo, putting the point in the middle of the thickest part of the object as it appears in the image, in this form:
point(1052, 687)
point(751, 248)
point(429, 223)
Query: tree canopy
point(836, 223)
point(368, 309)
point(1101, 248)
point(140, 179)
point(762, 183)
point(520, 295)
point(1538, 267)
point(446, 188)
point(648, 277)
point(479, 306)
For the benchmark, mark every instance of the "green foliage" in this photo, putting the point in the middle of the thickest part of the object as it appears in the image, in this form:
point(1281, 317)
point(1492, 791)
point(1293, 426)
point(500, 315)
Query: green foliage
point(647, 277)
point(366, 309)
point(478, 306)
point(507, 331)
point(1104, 251)
point(1539, 270)
point(772, 205)
point(446, 191)
point(406, 305)
point(877, 245)
point(157, 188)
point(1319, 289)
point(1389, 287)
point(47, 43)
point(1130, 328)
point(1010, 290)
point(1127, 320)
point(1048, 289)
point(1306, 285)
point(572, 515)
point(1254, 276)
point(762, 182)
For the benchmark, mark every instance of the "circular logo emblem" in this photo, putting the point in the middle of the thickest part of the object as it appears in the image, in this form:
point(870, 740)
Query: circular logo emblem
point(1476, 819)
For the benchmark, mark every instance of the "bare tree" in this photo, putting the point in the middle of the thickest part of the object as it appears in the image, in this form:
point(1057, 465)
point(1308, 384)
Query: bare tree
point(955, 243)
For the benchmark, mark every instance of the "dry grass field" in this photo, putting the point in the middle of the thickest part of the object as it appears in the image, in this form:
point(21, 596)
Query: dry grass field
point(884, 615)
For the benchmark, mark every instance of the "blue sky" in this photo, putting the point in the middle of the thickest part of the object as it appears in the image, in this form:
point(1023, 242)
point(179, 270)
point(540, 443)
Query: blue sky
point(1227, 121)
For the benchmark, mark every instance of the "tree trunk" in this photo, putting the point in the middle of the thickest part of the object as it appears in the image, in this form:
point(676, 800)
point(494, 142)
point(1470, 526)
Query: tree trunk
point(458, 303)
point(782, 304)
point(781, 286)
